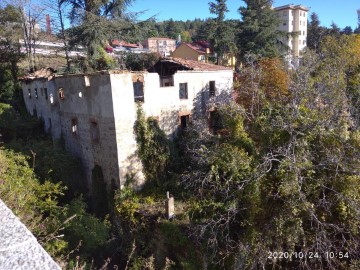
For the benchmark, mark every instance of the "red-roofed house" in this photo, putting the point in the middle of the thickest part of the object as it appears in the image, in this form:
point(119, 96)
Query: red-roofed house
point(198, 51)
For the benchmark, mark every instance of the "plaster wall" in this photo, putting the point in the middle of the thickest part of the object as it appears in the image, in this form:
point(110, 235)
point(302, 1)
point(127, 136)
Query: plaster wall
point(108, 100)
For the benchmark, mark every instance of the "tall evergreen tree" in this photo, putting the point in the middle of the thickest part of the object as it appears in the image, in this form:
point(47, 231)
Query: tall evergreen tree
point(315, 32)
point(258, 29)
point(97, 22)
point(223, 38)
point(334, 30)
point(347, 30)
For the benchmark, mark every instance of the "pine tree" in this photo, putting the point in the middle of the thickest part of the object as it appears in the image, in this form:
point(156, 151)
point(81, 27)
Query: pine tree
point(315, 32)
point(258, 29)
point(223, 38)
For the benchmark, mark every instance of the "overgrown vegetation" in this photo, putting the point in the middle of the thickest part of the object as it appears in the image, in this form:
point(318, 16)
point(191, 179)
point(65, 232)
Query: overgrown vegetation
point(283, 175)
point(44, 186)
point(153, 148)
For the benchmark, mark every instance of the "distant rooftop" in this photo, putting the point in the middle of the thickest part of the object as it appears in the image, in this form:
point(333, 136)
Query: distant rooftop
point(161, 38)
point(200, 47)
point(19, 249)
point(292, 6)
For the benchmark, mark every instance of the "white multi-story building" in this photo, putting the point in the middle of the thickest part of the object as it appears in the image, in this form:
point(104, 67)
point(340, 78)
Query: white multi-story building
point(293, 20)
point(95, 113)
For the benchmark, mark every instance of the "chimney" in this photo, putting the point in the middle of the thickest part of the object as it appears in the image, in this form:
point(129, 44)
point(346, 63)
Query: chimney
point(48, 27)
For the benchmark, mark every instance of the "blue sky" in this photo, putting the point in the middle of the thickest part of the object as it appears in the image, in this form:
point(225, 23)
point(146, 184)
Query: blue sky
point(342, 12)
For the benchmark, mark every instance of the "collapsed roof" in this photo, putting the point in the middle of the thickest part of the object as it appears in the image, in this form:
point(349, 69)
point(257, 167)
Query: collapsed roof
point(169, 66)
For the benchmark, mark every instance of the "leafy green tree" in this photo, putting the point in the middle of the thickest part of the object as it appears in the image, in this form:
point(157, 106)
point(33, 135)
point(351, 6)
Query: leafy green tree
point(10, 55)
point(258, 29)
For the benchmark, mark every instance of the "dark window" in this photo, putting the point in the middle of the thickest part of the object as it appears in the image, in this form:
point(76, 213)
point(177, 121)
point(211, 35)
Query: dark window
point(94, 131)
point(138, 91)
point(46, 93)
point(29, 93)
point(74, 126)
point(36, 93)
point(215, 122)
point(166, 81)
point(61, 93)
point(183, 91)
point(87, 81)
point(184, 121)
point(212, 89)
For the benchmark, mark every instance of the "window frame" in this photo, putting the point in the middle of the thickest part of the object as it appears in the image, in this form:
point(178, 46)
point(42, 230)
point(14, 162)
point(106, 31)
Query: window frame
point(136, 91)
point(212, 88)
point(183, 92)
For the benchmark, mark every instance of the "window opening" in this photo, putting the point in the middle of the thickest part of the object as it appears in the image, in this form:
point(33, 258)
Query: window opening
point(183, 90)
point(46, 93)
point(51, 97)
point(166, 81)
point(94, 131)
point(36, 93)
point(212, 89)
point(184, 121)
point(29, 93)
point(87, 81)
point(138, 91)
point(74, 126)
point(215, 122)
point(61, 93)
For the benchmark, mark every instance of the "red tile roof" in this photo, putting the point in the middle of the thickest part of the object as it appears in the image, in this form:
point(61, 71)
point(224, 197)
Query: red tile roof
point(198, 47)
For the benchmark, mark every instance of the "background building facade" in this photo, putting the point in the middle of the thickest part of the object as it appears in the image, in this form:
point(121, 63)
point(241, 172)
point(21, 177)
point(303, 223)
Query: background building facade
point(293, 20)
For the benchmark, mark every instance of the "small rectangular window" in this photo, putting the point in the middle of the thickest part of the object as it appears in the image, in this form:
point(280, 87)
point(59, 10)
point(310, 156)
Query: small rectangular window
point(94, 131)
point(29, 93)
point(212, 89)
point(87, 81)
point(184, 121)
point(138, 91)
point(183, 91)
point(46, 93)
point(74, 126)
point(215, 122)
point(36, 93)
point(284, 23)
point(61, 93)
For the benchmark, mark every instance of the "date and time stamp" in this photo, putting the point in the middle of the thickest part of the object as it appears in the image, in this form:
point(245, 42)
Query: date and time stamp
point(309, 255)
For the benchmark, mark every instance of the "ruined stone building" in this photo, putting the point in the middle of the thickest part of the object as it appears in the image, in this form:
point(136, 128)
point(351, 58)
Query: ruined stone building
point(95, 113)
